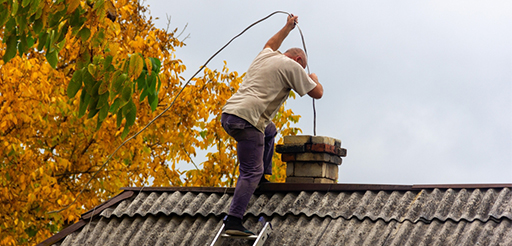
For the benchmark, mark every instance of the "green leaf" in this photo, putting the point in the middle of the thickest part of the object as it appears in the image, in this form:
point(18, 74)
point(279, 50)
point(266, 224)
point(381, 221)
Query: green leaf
point(126, 130)
point(119, 117)
point(34, 7)
point(61, 45)
point(75, 83)
point(98, 38)
point(24, 3)
point(115, 105)
point(102, 115)
point(10, 51)
point(96, 88)
point(92, 113)
point(43, 36)
point(84, 58)
point(84, 34)
point(113, 83)
point(88, 80)
point(23, 44)
point(84, 102)
point(10, 26)
point(62, 33)
point(107, 63)
point(103, 101)
point(52, 58)
point(15, 6)
point(98, 4)
point(31, 231)
point(92, 69)
point(143, 95)
point(127, 93)
point(56, 18)
point(30, 41)
point(141, 81)
point(38, 25)
point(49, 41)
point(154, 104)
point(92, 107)
point(74, 20)
point(152, 84)
point(105, 84)
point(21, 20)
point(130, 113)
point(153, 101)
point(156, 64)
point(4, 14)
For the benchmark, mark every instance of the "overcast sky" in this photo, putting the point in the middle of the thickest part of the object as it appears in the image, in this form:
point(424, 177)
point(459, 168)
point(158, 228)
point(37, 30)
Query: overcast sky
point(419, 92)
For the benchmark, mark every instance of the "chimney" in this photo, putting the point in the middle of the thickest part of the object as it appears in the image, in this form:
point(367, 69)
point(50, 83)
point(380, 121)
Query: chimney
point(311, 159)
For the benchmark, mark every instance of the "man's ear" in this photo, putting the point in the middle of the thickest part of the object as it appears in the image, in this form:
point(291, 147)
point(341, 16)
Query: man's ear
point(299, 60)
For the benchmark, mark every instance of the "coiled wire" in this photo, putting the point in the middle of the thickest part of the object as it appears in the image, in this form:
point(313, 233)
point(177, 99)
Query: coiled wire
point(178, 94)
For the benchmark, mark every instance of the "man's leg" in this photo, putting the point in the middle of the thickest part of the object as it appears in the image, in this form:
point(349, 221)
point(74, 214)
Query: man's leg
point(270, 135)
point(250, 146)
point(250, 156)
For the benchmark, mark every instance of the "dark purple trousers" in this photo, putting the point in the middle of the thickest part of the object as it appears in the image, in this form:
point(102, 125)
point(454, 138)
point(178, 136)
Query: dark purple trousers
point(254, 150)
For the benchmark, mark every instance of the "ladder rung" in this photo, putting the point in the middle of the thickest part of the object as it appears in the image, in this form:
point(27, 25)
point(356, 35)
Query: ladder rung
point(259, 239)
point(251, 237)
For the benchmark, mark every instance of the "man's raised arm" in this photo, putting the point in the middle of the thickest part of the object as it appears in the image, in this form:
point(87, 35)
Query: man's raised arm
point(275, 41)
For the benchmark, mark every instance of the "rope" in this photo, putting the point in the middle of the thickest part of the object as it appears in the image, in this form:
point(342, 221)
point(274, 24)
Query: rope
point(307, 66)
point(172, 103)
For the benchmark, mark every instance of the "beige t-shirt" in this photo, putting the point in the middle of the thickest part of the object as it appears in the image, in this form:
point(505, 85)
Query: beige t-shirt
point(266, 86)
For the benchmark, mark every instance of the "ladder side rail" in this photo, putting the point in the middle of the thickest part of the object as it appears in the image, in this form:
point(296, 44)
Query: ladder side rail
point(264, 234)
point(217, 240)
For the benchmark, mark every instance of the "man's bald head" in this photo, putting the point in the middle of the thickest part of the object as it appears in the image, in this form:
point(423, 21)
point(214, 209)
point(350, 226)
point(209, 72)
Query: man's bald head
point(298, 55)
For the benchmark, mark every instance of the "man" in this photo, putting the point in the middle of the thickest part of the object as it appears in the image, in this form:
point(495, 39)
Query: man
point(248, 113)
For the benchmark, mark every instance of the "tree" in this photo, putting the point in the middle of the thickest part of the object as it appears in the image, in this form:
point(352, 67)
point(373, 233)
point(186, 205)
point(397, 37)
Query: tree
point(74, 80)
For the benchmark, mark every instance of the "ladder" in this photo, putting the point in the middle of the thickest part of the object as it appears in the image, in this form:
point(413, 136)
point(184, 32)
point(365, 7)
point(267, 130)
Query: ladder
point(258, 239)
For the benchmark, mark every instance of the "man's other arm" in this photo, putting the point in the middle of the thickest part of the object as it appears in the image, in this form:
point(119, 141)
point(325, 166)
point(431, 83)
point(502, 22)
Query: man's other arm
point(318, 91)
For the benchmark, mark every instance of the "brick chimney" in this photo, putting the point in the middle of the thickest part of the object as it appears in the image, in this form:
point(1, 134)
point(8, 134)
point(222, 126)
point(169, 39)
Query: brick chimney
point(311, 159)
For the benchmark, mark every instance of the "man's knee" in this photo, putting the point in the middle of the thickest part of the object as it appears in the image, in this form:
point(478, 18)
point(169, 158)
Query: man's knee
point(252, 173)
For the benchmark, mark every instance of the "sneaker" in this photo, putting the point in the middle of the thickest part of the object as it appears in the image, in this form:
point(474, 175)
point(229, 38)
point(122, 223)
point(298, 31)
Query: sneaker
point(234, 227)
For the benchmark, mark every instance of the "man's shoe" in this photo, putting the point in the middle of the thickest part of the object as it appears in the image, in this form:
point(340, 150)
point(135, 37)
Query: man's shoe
point(234, 227)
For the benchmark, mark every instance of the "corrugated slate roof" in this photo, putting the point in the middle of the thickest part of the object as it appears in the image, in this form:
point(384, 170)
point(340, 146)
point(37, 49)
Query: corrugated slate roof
point(413, 206)
point(385, 215)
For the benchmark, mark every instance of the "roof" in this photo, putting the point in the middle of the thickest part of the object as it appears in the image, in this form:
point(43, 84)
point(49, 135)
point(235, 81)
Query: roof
point(303, 214)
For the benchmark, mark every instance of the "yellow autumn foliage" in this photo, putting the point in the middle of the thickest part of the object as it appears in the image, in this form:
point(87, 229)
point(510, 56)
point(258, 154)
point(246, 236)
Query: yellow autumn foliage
point(49, 153)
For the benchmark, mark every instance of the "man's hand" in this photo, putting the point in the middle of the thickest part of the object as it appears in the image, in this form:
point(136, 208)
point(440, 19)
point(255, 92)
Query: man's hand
point(318, 91)
point(292, 21)
point(314, 77)
point(275, 41)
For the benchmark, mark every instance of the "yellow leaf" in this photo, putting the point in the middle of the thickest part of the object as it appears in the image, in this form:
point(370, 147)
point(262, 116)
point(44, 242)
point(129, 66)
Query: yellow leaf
point(114, 48)
point(73, 4)
point(149, 65)
point(135, 66)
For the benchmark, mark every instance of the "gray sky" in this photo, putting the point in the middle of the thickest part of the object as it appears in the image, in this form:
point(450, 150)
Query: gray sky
point(419, 92)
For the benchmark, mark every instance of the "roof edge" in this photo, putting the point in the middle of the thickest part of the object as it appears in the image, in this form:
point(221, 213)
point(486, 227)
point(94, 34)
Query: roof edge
point(298, 187)
point(462, 186)
point(85, 216)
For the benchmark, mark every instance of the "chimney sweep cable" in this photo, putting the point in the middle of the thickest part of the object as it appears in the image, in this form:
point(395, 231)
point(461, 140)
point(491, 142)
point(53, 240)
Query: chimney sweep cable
point(173, 101)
